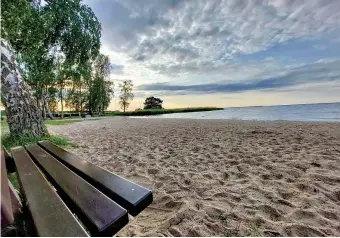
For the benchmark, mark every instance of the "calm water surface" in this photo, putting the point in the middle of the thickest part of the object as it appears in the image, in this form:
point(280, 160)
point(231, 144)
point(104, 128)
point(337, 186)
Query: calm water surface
point(303, 112)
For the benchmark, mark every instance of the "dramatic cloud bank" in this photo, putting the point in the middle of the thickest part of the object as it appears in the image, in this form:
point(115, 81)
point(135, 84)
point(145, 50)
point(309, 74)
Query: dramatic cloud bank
point(317, 72)
point(190, 47)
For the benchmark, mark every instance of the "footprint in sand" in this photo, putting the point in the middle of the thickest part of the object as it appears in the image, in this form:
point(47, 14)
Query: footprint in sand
point(153, 171)
point(331, 215)
point(270, 212)
point(302, 230)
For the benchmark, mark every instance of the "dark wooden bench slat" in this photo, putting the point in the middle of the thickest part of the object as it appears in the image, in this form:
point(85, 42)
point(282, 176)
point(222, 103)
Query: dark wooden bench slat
point(100, 214)
point(50, 215)
point(126, 193)
point(9, 161)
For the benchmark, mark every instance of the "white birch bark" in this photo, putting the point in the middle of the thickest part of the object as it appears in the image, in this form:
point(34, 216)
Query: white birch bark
point(23, 115)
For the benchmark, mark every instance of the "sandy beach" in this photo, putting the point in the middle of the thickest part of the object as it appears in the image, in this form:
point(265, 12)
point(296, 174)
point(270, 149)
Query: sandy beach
point(221, 177)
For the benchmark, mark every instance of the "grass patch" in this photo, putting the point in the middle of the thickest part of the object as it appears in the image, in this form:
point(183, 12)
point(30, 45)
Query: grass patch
point(4, 127)
point(14, 181)
point(254, 230)
point(23, 225)
point(222, 216)
point(60, 122)
point(61, 141)
point(9, 141)
point(149, 112)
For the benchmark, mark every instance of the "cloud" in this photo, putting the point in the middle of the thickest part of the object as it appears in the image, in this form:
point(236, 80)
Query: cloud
point(175, 47)
point(117, 69)
point(177, 37)
point(321, 71)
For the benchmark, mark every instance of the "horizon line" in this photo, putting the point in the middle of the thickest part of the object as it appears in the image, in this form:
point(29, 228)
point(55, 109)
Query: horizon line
point(284, 105)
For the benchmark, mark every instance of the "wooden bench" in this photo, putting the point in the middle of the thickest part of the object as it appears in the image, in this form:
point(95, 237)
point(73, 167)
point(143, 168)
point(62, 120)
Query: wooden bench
point(67, 196)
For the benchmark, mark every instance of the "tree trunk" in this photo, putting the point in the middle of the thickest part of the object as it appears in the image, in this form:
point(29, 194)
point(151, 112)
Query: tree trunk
point(50, 115)
point(81, 100)
point(43, 105)
point(23, 116)
point(61, 100)
point(46, 108)
point(37, 98)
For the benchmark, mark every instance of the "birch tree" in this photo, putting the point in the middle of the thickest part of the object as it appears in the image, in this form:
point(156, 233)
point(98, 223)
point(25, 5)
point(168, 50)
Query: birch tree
point(126, 94)
point(23, 115)
point(33, 31)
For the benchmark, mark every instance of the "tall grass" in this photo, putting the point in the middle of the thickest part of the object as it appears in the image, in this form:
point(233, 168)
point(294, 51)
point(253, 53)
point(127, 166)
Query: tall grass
point(148, 112)
point(59, 122)
point(9, 141)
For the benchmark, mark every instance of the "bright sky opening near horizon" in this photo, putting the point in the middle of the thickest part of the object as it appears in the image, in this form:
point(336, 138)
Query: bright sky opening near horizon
point(223, 53)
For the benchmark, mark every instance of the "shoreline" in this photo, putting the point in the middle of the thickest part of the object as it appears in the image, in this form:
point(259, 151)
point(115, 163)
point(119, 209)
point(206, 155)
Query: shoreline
point(221, 177)
point(219, 119)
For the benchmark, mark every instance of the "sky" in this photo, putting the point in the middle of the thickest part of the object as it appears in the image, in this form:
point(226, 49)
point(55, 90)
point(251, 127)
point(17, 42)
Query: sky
point(223, 53)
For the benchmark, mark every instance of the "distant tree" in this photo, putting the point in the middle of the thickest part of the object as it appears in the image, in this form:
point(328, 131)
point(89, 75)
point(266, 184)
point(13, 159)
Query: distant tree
point(125, 94)
point(91, 89)
point(101, 88)
point(75, 97)
point(53, 104)
point(153, 103)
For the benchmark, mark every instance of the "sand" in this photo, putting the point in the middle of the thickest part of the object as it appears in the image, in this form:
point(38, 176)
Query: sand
point(221, 177)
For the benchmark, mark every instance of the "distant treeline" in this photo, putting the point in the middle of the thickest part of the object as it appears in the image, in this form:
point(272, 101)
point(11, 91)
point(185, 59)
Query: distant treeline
point(138, 112)
point(148, 112)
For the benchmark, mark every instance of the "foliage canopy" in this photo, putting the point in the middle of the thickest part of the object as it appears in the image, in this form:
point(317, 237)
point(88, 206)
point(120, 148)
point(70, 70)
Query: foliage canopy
point(57, 45)
point(153, 103)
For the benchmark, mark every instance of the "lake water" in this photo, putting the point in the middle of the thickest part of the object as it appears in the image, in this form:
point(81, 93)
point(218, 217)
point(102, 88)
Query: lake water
point(303, 112)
